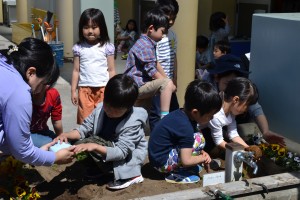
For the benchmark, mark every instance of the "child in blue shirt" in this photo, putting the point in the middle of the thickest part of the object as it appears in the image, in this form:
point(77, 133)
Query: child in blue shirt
point(175, 142)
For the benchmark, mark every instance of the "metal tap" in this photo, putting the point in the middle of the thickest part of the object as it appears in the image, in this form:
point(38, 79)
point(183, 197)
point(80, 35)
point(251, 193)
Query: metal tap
point(246, 157)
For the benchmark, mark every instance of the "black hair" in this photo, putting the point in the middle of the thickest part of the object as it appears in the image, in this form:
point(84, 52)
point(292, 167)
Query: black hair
point(224, 46)
point(243, 88)
point(157, 18)
point(97, 18)
point(170, 7)
point(216, 21)
point(32, 52)
point(202, 96)
point(131, 21)
point(121, 91)
point(202, 42)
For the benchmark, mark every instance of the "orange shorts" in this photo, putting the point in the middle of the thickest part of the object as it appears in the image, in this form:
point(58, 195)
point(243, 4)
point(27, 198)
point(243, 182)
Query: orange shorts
point(88, 99)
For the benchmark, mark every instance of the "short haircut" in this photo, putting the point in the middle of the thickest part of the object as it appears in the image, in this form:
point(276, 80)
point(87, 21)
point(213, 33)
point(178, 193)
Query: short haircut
point(97, 18)
point(32, 52)
point(202, 96)
point(243, 88)
point(202, 42)
point(121, 91)
point(170, 7)
point(157, 18)
point(224, 46)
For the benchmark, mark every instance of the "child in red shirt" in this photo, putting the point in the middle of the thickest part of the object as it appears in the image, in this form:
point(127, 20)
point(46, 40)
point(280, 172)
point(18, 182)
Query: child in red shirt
point(45, 104)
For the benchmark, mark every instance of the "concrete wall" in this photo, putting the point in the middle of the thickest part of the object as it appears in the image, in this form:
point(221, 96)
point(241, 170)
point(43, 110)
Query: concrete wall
point(275, 63)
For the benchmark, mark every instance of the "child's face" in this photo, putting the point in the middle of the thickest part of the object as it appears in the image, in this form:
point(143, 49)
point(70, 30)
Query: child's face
point(217, 53)
point(223, 81)
point(238, 107)
point(112, 112)
point(172, 19)
point(156, 35)
point(202, 119)
point(91, 32)
point(131, 26)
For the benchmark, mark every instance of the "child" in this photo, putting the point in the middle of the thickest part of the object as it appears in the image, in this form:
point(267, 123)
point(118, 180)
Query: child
point(228, 67)
point(219, 27)
point(45, 104)
point(93, 63)
point(127, 37)
point(114, 133)
point(237, 96)
point(221, 48)
point(203, 57)
point(175, 143)
point(166, 58)
point(141, 63)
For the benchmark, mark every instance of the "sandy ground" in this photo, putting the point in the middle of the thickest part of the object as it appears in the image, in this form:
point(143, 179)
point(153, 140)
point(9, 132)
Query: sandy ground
point(69, 182)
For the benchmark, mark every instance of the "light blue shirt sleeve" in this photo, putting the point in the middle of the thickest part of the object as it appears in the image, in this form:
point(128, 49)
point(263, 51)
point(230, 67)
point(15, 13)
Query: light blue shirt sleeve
point(16, 120)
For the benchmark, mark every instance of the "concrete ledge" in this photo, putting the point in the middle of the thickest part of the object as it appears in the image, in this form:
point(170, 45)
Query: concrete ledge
point(275, 183)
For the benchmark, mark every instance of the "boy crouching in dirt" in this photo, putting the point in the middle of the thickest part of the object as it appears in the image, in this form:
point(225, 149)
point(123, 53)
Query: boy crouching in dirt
point(114, 133)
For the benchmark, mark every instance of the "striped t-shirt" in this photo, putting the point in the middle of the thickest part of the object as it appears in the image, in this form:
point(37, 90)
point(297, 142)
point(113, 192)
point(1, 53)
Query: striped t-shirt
point(166, 52)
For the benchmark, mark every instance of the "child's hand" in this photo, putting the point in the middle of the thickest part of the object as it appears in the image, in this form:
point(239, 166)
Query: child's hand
point(47, 146)
point(274, 138)
point(65, 156)
point(62, 138)
point(225, 20)
point(85, 147)
point(74, 99)
point(206, 157)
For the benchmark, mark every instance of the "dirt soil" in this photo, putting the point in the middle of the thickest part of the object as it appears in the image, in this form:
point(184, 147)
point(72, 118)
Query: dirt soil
point(67, 182)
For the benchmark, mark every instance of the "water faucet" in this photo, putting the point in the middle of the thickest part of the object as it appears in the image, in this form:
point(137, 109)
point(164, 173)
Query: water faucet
point(247, 157)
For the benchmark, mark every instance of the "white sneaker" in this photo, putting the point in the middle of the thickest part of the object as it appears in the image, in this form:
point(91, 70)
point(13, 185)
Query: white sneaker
point(124, 183)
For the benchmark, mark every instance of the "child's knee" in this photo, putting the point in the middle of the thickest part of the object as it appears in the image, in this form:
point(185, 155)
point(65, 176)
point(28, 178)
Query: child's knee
point(168, 86)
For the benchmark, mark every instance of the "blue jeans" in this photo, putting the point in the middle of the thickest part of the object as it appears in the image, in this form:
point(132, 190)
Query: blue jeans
point(42, 138)
point(154, 115)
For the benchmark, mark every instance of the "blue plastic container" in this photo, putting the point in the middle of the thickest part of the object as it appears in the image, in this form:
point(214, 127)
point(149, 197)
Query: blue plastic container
point(58, 49)
point(240, 47)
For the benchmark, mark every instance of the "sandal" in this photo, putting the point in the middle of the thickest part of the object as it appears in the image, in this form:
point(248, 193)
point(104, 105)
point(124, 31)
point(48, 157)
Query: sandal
point(124, 57)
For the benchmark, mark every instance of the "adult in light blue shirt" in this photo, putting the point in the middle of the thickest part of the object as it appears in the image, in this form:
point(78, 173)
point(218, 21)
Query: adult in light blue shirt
point(26, 69)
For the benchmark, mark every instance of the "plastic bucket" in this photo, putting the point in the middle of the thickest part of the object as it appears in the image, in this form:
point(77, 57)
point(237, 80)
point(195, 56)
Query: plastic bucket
point(58, 49)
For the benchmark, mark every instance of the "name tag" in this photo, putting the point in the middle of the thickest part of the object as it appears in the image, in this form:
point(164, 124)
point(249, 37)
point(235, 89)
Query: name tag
point(213, 178)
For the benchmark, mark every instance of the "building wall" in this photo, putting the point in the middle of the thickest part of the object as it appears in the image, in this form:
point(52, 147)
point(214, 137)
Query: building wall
point(127, 10)
point(207, 7)
point(275, 69)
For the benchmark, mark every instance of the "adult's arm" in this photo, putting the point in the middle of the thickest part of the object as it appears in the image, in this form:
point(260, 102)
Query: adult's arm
point(17, 118)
